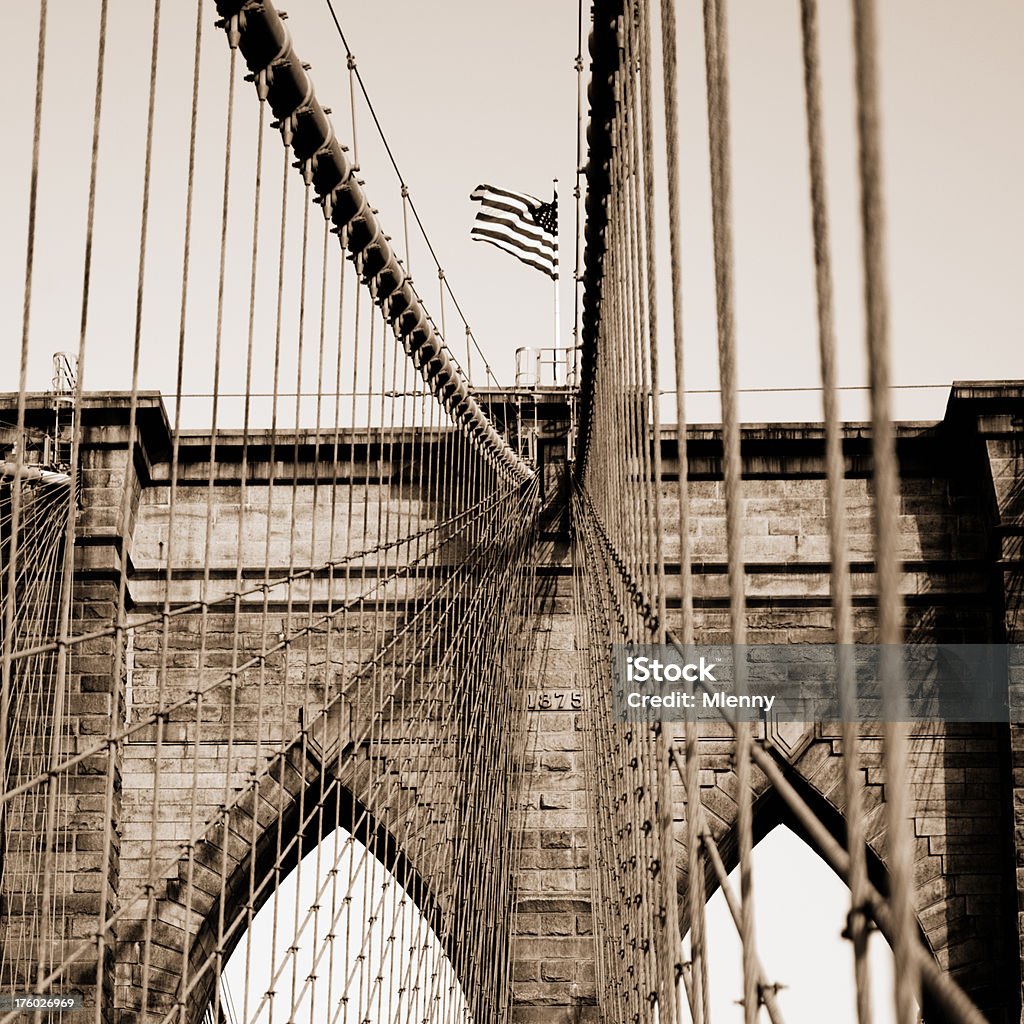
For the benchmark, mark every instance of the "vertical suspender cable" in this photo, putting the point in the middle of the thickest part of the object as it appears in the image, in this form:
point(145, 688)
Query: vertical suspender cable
point(69, 536)
point(19, 459)
point(835, 475)
point(210, 484)
point(56, 738)
point(886, 478)
point(694, 869)
point(175, 455)
point(669, 956)
point(716, 54)
point(127, 494)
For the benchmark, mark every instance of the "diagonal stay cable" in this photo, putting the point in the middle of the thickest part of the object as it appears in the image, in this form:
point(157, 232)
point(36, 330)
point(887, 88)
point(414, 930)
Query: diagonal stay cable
point(446, 284)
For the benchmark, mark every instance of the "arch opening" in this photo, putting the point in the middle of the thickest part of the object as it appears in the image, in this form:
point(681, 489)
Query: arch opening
point(800, 908)
point(340, 937)
point(318, 828)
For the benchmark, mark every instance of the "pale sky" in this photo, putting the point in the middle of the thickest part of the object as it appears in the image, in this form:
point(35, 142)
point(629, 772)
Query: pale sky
point(800, 909)
point(379, 933)
point(486, 92)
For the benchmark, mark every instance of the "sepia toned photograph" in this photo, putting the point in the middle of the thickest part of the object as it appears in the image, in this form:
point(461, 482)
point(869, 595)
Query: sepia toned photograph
point(512, 513)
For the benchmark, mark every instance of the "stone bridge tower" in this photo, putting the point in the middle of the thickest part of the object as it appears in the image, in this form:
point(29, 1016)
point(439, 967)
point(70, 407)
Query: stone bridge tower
point(962, 521)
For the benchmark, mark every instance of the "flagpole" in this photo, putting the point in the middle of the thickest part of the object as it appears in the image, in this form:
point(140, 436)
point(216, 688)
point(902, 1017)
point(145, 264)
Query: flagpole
point(556, 335)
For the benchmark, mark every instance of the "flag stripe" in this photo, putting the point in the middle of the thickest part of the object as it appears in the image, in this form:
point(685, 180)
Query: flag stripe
point(513, 213)
point(545, 268)
point(533, 237)
point(486, 231)
point(522, 214)
point(521, 197)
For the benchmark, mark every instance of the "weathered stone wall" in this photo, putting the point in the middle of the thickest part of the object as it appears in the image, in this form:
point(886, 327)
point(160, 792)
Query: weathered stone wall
point(241, 757)
point(553, 968)
point(956, 586)
point(960, 532)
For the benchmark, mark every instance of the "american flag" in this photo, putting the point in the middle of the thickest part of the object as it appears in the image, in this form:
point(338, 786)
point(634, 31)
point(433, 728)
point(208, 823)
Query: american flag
point(521, 224)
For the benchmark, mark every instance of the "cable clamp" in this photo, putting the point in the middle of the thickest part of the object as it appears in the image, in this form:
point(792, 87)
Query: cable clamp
point(764, 989)
point(867, 923)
